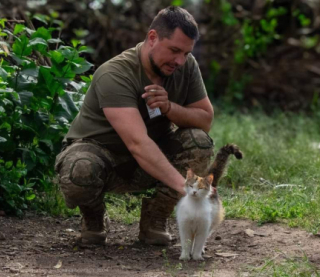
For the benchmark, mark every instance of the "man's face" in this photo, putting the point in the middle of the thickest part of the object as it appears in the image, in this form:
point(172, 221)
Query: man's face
point(167, 55)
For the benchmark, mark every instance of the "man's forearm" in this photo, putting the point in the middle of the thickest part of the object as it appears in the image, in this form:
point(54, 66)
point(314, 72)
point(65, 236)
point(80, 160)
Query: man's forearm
point(190, 117)
point(153, 161)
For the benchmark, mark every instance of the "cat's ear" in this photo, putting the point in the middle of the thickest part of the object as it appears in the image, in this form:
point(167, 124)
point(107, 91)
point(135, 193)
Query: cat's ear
point(190, 174)
point(209, 179)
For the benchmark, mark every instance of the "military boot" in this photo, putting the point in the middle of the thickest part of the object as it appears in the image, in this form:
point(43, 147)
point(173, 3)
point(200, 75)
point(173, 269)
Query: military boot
point(154, 218)
point(95, 224)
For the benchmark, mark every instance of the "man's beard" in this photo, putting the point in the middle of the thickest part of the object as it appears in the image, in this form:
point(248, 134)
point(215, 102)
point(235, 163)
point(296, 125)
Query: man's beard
point(156, 69)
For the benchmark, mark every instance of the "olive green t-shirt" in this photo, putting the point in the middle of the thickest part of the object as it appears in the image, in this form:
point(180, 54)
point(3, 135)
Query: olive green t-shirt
point(120, 82)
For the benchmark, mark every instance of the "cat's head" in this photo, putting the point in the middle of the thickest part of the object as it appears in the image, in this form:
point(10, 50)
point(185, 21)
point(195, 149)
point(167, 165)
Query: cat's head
point(196, 186)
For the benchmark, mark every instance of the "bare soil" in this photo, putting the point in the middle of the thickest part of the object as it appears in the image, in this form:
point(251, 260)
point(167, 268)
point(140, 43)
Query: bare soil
point(46, 246)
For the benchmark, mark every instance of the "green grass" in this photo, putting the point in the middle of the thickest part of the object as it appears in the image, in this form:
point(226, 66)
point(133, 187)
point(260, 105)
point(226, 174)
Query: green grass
point(125, 208)
point(280, 266)
point(278, 179)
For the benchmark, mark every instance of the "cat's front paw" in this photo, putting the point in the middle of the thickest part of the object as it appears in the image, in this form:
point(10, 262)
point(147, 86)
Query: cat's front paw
point(197, 258)
point(184, 257)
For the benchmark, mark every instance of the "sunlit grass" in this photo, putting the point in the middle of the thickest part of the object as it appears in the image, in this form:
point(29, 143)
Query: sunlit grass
point(283, 266)
point(278, 179)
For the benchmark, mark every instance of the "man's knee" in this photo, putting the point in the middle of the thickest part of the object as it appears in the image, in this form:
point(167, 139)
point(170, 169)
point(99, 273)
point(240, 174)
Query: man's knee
point(196, 150)
point(82, 177)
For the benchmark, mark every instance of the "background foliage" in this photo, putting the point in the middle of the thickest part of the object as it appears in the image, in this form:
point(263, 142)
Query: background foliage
point(40, 92)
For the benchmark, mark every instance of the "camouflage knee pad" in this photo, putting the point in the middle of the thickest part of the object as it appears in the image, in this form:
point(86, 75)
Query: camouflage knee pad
point(83, 171)
point(193, 148)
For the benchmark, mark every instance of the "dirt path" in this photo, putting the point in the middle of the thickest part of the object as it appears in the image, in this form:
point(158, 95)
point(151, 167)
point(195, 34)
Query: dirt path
point(45, 246)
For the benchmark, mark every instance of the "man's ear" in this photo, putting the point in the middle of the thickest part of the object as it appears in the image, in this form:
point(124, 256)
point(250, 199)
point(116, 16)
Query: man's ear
point(152, 37)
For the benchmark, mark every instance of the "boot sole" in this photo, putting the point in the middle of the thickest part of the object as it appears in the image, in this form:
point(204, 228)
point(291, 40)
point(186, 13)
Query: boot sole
point(160, 242)
point(89, 238)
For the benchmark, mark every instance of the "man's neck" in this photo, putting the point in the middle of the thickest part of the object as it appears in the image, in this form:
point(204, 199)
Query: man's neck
point(156, 79)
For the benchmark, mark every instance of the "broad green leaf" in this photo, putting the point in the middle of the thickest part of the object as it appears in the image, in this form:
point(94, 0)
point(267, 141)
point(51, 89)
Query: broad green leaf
point(6, 125)
point(84, 66)
point(37, 41)
point(3, 34)
point(75, 42)
point(30, 196)
point(30, 31)
point(3, 74)
point(7, 102)
point(54, 14)
point(55, 87)
point(42, 33)
point(86, 49)
point(9, 33)
point(57, 69)
point(2, 22)
point(15, 95)
point(39, 44)
point(8, 164)
point(21, 48)
point(25, 97)
point(56, 56)
point(65, 108)
point(55, 40)
point(45, 76)
point(48, 143)
point(30, 70)
point(85, 78)
point(67, 72)
point(43, 18)
point(18, 28)
point(81, 33)
point(68, 52)
point(77, 86)
point(18, 60)
point(59, 23)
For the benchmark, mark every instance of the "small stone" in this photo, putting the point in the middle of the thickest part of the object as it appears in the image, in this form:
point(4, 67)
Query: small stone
point(249, 232)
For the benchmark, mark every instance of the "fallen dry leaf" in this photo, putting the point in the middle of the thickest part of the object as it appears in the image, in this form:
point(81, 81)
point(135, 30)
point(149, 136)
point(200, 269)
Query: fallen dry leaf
point(70, 230)
point(226, 255)
point(58, 265)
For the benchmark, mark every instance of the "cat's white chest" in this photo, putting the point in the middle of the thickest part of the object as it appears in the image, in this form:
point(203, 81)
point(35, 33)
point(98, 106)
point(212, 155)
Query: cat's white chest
point(194, 212)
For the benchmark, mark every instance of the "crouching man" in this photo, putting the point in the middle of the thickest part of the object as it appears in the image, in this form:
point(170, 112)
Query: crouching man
point(144, 121)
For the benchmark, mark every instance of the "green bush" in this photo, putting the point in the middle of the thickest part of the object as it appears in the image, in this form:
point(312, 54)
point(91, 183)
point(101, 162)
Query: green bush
point(41, 89)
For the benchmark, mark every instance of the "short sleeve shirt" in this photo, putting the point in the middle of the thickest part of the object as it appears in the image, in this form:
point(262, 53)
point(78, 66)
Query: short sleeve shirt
point(120, 82)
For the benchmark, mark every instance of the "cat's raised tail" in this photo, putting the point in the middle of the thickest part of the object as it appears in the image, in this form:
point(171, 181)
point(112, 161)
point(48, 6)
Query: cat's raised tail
point(221, 160)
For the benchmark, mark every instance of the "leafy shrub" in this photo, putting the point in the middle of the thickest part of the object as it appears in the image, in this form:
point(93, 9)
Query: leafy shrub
point(41, 89)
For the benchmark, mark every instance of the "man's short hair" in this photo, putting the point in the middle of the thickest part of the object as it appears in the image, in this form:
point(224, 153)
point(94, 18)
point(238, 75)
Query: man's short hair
point(170, 18)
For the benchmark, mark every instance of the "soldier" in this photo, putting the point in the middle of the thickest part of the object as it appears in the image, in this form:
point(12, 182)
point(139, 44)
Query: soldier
point(143, 122)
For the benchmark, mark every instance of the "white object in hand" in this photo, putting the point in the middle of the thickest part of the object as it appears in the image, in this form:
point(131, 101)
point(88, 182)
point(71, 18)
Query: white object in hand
point(153, 112)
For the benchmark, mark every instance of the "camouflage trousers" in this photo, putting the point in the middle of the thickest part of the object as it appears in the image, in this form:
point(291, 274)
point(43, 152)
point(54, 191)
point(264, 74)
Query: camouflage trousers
point(87, 170)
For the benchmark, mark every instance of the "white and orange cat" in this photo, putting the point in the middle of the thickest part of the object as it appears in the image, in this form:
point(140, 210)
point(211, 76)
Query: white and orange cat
point(201, 210)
